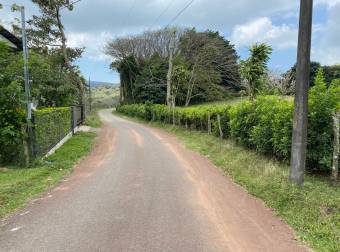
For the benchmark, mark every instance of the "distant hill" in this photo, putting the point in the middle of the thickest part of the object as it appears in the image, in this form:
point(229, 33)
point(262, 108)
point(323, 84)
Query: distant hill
point(95, 84)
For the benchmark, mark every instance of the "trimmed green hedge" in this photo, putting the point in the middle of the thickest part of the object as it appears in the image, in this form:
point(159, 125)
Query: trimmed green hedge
point(264, 124)
point(51, 125)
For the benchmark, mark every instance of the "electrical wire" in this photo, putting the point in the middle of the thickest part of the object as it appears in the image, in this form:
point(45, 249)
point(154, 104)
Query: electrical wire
point(129, 13)
point(163, 12)
point(77, 1)
point(179, 13)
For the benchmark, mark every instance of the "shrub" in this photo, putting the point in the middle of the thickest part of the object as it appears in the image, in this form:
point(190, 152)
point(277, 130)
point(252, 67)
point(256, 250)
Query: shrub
point(264, 124)
point(323, 102)
point(242, 120)
point(12, 122)
point(51, 125)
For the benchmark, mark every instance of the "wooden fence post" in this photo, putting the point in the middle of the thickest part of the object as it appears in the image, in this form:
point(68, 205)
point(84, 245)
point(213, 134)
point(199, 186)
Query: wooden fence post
point(219, 126)
point(209, 123)
point(26, 146)
point(336, 152)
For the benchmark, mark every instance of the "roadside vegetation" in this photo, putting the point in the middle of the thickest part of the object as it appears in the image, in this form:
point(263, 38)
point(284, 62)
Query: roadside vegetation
point(246, 127)
point(18, 184)
point(55, 78)
point(92, 119)
point(263, 124)
point(55, 84)
point(313, 210)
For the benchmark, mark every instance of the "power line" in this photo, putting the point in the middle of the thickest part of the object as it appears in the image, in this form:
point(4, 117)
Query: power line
point(163, 12)
point(129, 12)
point(74, 2)
point(179, 13)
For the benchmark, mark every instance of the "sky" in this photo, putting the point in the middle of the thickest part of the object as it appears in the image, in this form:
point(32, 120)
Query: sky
point(95, 22)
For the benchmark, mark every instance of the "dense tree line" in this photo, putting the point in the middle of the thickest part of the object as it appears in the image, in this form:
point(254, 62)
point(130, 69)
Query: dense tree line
point(175, 66)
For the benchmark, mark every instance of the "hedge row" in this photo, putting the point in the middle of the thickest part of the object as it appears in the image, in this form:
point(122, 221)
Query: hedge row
point(264, 124)
point(50, 126)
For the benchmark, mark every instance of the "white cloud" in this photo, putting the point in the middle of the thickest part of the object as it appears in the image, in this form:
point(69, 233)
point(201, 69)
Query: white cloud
point(327, 50)
point(93, 43)
point(263, 30)
point(329, 3)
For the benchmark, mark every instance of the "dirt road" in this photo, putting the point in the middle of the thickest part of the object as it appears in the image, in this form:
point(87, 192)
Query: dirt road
point(140, 190)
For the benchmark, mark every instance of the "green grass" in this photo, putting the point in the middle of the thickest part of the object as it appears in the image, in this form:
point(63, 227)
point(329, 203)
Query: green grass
point(18, 185)
point(313, 210)
point(93, 119)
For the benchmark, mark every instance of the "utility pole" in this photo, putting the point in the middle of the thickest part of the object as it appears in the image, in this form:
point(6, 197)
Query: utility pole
point(300, 121)
point(90, 94)
point(169, 75)
point(25, 54)
point(29, 149)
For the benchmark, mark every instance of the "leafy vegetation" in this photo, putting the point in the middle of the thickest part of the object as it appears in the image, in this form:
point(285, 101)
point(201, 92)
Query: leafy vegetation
point(175, 66)
point(55, 79)
point(264, 124)
point(18, 185)
point(313, 210)
point(254, 69)
point(93, 120)
point(51, 125)
point(330, 72)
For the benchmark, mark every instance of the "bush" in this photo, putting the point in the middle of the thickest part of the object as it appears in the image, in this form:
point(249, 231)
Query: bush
point(12, 130)
point(323, 102)
point(51, 125)
point(264, 124)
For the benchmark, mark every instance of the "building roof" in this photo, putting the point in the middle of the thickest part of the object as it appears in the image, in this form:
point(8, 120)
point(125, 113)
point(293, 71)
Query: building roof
point(10, 38)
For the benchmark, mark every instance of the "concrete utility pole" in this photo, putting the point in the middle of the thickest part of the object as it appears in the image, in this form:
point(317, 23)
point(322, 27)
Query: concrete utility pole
point(169, 75)
point(25, 54)
point(300, 121)
point(90, 94)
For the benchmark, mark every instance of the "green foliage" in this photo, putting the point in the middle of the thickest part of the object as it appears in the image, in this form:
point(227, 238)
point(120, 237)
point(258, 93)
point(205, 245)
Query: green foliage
point(150, 83)
point(314, 67)
point(50, 87)
point(51, 125)
point(18, 185)
point(205, 67)
point(323, 102)
point(312, 210)
point(93, 119)
point(209, 53)
point(253, 69)
point(330, 73)
point(264, 124)
point(12, 115)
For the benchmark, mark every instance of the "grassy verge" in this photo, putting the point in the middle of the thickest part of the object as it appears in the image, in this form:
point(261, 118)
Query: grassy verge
point(313, 210)
point(93, 119)
point(18, 185)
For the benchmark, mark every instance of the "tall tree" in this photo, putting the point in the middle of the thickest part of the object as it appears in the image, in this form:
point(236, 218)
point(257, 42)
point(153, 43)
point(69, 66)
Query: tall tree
point(211, 60)
point(48, 29)
point(46, 35)
point(253, 69)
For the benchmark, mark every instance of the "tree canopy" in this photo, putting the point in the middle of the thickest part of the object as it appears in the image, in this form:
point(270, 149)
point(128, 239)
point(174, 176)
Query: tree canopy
point(200, 66)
